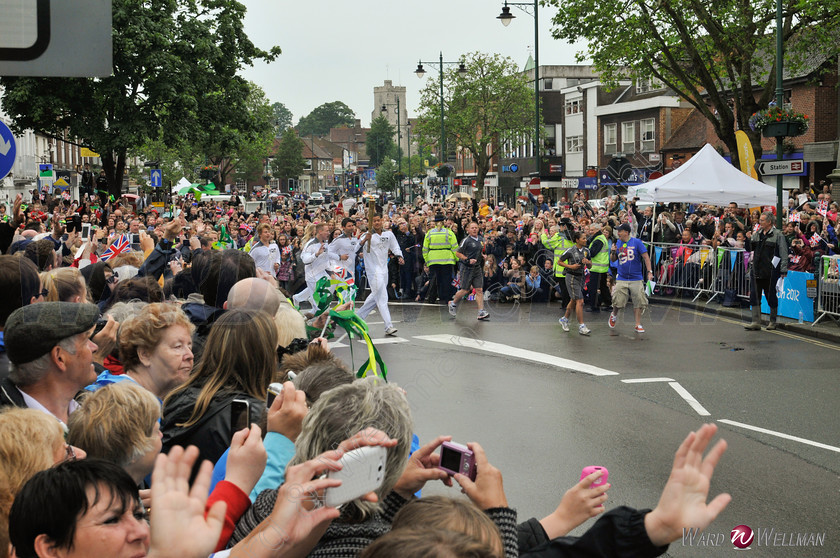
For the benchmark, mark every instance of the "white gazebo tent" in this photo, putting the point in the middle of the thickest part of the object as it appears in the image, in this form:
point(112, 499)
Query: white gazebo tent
point(706, 178)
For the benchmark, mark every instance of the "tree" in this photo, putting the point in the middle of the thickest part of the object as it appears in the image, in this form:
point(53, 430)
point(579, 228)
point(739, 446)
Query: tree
point(282, 118)
point(490, 105)
point(322, 118)
point(386, 175)
point(380, 141)
point(288, 162)
point(718, 56)
point(168, 58)
point(239, 129)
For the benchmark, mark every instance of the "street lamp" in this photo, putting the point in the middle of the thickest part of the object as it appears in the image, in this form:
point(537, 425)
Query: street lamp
point(505, 17)
point(399, 141)
point(462, 69)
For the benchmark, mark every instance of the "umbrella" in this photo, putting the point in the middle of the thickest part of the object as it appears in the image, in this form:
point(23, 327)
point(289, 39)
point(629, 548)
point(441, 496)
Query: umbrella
point(458, 196)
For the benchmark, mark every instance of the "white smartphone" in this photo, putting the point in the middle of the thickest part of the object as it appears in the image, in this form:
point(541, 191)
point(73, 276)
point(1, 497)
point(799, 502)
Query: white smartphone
point(363, 471)
point(85, 231)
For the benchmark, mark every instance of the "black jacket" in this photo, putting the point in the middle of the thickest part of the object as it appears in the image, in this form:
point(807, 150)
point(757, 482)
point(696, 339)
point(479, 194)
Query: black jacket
point(212, 433)
point(10, 396)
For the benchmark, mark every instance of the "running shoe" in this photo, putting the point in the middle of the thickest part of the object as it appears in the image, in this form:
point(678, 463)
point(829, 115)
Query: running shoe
point(453, 309)
point(483, 315)
point(391, 330)
point(640, 329)
point(612, 321)
point(583, 330)
point(564, 323)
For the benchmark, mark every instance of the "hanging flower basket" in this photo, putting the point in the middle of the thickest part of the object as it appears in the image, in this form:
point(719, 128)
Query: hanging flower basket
point(775, 122)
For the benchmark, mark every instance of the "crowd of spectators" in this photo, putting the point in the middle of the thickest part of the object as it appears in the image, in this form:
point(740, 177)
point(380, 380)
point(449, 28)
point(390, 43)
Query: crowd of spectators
point(113, 359)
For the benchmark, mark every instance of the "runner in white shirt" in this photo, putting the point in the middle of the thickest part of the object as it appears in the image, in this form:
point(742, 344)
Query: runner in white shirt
point(376, 268)
point(318, 260)
point(346, 246)
point(265, 252)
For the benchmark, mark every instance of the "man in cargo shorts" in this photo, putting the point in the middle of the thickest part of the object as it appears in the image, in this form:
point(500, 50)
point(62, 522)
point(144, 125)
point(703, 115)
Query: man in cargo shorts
point(632, 257)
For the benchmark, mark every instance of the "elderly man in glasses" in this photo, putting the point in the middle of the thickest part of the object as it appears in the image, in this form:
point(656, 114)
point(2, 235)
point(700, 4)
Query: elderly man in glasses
point(51, 353)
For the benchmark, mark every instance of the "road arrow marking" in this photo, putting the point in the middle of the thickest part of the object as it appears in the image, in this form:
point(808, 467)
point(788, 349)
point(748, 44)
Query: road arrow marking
point(780, 435)
point(516, 352)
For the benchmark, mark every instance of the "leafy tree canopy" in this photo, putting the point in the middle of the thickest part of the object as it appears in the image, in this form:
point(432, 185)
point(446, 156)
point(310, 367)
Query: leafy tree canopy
point(169, 57)
point(386, 175)
point(380, 141)
point(491, 104)
point(288, 162)
point(282, 118)
point(322, 118)
point(719, 56)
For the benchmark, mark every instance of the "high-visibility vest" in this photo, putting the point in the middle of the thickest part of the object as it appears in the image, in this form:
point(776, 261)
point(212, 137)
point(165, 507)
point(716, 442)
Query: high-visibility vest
point(439, 247)
point(559, 244)
point(601, 260)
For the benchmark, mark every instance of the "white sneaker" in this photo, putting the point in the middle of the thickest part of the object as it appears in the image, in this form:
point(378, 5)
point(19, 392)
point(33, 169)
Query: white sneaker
point(391, 330)
point(564, 323)
point(583, 330)
point(483, 315)
point(453, 309)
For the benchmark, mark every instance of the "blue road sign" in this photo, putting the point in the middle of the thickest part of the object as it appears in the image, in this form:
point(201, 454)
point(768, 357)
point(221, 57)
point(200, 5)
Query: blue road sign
point(514, 168)
point(8, 150)
point(157, 178)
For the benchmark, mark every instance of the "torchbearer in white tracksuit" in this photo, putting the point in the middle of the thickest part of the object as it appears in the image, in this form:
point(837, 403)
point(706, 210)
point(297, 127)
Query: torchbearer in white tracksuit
point(376, 268)
point(319, 261)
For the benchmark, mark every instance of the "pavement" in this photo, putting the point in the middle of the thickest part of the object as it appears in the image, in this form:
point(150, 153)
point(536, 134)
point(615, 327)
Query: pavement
point(827, 329)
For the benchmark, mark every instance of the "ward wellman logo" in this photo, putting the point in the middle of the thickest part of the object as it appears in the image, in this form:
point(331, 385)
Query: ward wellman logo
point(742, 536)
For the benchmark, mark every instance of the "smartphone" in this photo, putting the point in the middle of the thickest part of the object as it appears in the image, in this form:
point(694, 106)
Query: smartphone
point(275, 389)
point(363, 471)
point(135, 238)
point(457, 458)
point(593, 468)
point(85, 231)
point(240, 415)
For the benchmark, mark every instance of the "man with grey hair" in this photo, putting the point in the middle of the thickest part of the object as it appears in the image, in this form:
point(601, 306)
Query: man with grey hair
point(51, 353)
point(768, 269)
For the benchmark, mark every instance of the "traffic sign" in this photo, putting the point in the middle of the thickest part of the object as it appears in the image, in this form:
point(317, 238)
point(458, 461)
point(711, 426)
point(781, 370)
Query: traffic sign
point(790, 166)
point(8, 150)
point(156, 178)
point(514, 167)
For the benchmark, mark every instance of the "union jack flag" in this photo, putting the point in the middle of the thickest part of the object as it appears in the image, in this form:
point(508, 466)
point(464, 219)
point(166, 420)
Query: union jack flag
point(66, 195)
point(119, 246)
point(344, 275)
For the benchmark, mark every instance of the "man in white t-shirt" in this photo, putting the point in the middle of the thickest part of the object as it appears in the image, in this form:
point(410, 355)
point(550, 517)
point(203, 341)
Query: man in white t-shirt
point(318, 260)
point(376, 267)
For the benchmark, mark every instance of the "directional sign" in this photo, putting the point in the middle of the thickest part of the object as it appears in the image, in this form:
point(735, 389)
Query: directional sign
point(157, 178)
point(514, 168)
point(790, 166)
point(8, 150)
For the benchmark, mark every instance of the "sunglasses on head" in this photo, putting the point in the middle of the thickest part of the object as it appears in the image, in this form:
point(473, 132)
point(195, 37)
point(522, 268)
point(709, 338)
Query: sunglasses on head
point(295, 346)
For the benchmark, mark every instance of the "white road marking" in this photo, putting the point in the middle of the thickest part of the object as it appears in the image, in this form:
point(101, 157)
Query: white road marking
point(381, 323)
point(780, 435)
point(701, 410)
point(646, 380)
point(516, 352)
point(385, 340)
point(337, 345)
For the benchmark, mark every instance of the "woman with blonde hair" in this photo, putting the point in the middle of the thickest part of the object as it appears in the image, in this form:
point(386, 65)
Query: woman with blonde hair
point(32, 441)
point(239, 362)
point(64, 284)
point(119, 423)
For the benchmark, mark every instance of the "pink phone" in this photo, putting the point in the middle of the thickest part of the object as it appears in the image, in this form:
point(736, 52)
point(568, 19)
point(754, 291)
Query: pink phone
point(593, 468)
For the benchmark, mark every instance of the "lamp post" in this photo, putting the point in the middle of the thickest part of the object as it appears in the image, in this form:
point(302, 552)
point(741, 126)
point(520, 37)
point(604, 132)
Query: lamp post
point(399, 141)
point(780, 99)
point(506, 17)
point(462, 69)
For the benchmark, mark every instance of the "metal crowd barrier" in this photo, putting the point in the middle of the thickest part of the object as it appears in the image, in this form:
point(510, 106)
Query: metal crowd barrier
point(828, 288)
point(701, 270)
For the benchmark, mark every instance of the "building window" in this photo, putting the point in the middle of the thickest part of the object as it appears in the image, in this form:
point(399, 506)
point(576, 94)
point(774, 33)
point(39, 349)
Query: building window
point(610, 138)
point(548, 84)
point(647, 128)
point(573, 107)
point(643, 85)
point(574, 144)
point(628, 137)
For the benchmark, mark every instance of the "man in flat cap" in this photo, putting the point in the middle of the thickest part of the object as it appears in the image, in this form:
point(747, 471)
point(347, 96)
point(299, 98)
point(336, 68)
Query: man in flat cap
point(52, 356)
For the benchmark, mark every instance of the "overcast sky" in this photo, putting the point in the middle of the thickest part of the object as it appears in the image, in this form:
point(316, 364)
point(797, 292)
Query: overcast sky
point(338, 50)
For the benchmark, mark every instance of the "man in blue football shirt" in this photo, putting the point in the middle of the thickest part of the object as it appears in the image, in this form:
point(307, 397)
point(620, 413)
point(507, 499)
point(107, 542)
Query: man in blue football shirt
point(632, 258)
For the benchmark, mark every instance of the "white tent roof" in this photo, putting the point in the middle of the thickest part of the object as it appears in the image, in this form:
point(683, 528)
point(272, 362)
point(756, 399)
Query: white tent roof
point(706, 178)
